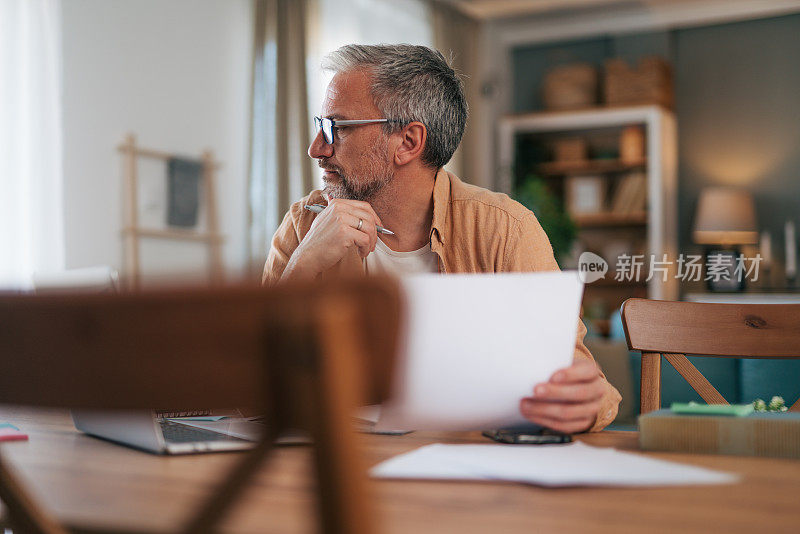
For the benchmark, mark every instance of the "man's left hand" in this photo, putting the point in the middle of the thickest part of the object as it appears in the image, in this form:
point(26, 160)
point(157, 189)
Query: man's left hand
point(569, 401)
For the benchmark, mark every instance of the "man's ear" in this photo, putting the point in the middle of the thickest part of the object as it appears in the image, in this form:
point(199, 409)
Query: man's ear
point(412, 142)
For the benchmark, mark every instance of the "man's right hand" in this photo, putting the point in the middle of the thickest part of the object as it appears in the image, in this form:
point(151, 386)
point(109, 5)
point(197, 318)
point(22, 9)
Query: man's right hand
point(333, 233)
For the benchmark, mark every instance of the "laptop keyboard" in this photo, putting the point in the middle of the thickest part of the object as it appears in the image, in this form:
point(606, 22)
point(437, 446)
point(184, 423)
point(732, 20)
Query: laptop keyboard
point(178, 433)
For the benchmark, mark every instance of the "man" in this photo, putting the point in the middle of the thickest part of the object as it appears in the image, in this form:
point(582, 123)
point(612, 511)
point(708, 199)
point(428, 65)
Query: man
point(392, 117)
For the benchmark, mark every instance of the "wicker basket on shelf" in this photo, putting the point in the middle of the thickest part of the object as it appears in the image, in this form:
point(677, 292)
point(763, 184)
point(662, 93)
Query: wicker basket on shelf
point(570, 87)
point(571, 149)
point(650, 82)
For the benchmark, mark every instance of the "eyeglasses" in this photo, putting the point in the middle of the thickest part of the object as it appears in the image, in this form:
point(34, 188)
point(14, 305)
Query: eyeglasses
point(327, 125)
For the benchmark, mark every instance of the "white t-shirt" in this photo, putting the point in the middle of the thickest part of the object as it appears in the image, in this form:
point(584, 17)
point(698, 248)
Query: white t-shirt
point(386, 261)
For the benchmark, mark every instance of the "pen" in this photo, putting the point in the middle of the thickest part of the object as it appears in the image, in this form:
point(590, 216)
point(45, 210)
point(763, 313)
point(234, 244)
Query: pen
point(317, 208)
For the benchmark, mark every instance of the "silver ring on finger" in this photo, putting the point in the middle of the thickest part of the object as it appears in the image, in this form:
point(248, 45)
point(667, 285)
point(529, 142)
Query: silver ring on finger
point(360, 223)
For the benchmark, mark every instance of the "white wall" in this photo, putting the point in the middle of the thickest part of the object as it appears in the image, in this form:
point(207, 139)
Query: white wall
point(177, 74)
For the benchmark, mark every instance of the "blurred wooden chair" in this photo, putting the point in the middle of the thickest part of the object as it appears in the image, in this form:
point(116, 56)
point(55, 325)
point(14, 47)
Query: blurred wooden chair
point(303, 355)
point(674, 329)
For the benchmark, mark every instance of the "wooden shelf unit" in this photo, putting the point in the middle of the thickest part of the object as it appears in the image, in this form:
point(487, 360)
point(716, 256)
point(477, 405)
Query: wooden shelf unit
point(610, 282)
point(600, 220)
point(132, 232)
point(175, 234)
point(597, 166)
point(657, 224)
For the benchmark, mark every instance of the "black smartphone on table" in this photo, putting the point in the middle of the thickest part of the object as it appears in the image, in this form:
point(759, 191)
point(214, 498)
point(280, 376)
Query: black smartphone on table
point(523, 437)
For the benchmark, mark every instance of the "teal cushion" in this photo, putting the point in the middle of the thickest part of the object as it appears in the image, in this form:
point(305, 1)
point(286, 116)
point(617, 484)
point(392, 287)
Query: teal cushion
point(761, 379)
point(616, 331)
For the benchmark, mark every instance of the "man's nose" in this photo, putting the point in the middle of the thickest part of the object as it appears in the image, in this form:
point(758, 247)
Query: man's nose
point(319, 148)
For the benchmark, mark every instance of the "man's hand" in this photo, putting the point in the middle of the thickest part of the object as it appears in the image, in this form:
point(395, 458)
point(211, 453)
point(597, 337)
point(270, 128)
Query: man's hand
point(333, 233)
point(569, 401)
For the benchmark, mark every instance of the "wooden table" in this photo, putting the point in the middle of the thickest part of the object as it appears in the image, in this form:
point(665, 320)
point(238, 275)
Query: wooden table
point(92, 483)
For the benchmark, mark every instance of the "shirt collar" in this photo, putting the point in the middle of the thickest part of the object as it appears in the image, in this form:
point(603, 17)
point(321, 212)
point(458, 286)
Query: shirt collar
point(441, 203)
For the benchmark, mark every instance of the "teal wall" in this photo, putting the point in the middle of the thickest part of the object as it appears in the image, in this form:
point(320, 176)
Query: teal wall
point(737, 91)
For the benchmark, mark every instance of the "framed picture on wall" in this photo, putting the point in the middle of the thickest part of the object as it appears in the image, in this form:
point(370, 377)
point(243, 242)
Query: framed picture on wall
point(585, 195)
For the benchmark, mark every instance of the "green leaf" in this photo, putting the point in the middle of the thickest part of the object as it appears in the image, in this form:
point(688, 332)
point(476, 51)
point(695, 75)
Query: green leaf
point(556, 222)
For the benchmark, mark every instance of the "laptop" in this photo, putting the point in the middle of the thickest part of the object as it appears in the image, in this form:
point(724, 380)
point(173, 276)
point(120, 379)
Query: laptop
point(151, 432)
point(160, 432)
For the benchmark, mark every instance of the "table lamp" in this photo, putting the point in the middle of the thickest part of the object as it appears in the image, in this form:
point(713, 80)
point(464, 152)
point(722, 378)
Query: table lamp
point(725, 219)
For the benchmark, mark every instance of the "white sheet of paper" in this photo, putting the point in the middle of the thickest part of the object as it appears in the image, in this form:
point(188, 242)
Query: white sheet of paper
point(573, 464)
point(476, 344)
point(369, 414)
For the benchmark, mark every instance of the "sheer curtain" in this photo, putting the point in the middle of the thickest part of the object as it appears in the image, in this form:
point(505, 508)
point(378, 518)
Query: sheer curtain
point(31, 211)
point(280, 171)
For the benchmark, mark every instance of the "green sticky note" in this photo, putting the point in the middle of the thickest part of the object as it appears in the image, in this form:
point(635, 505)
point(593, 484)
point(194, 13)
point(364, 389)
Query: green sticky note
point(694, 408)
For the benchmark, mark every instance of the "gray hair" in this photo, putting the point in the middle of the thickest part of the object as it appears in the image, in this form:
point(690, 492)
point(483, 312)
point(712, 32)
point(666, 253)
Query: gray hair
point(411, 83)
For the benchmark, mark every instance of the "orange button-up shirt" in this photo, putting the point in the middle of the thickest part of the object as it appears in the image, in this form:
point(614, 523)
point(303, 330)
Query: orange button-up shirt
point(474, 230)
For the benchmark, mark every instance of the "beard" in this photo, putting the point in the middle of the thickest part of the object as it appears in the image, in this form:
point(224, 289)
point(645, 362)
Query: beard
point(361, 184)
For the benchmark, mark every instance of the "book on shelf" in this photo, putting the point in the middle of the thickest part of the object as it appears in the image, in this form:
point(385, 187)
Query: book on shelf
point(630, 194)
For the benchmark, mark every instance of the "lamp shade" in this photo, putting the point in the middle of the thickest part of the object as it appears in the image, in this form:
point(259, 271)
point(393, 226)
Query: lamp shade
point(725, 216)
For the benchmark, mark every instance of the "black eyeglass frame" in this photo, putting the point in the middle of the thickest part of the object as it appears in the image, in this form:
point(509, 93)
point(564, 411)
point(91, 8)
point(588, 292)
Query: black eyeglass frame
point(328, 125)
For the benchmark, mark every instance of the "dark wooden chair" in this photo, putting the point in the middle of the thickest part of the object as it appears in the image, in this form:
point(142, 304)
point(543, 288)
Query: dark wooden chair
point(303, 355)
point(675, 329)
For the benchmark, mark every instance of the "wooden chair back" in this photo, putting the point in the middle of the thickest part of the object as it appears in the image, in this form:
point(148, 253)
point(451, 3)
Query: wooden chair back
point(304, 355)
point(674, 329)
